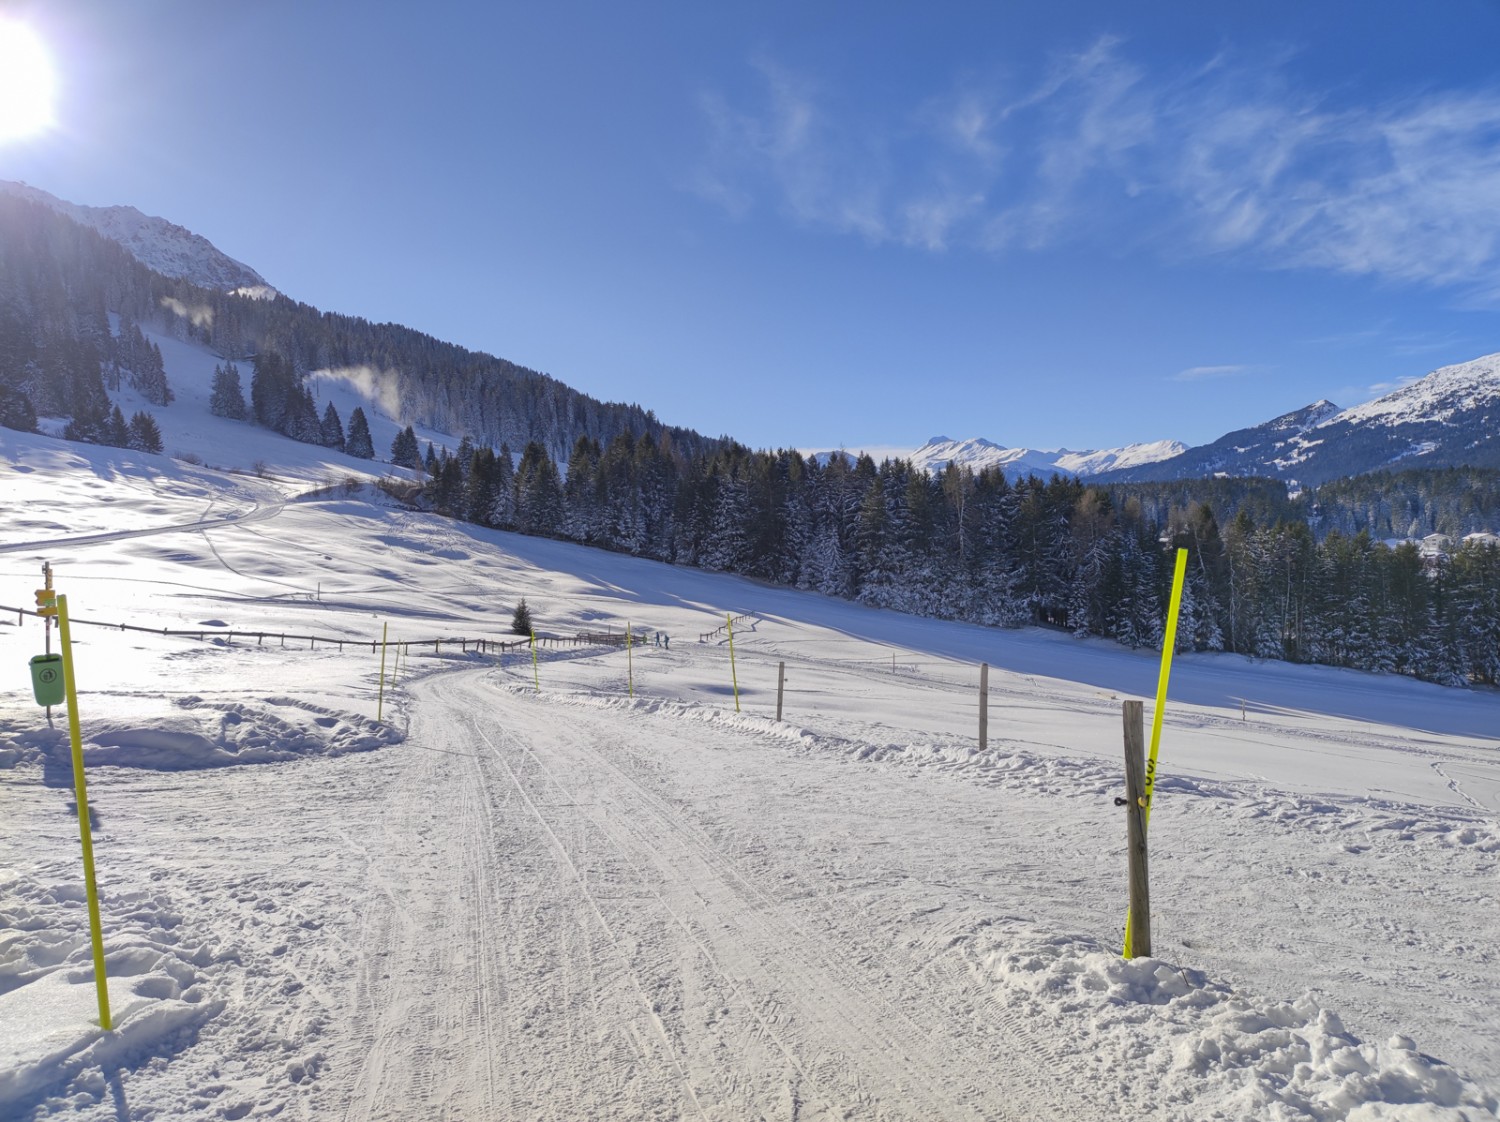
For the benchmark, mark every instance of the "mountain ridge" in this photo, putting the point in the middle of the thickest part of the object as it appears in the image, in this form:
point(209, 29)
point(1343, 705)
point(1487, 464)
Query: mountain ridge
point(169, 249)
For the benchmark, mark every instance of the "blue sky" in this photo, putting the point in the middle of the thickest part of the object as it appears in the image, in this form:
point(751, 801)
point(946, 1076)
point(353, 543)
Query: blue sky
point(812, 224)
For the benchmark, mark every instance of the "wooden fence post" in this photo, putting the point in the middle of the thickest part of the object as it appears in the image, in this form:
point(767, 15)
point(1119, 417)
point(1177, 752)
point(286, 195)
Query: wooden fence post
point(984, 706)
point(780, 687)
point(1138, 921)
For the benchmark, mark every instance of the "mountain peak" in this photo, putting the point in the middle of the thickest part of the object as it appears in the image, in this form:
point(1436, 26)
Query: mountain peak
point(169, 249)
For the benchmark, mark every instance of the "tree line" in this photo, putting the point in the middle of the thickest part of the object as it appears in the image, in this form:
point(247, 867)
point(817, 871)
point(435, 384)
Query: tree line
point(978, 547)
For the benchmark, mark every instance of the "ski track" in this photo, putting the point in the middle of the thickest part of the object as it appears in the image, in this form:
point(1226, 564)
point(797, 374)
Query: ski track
point(617, 957)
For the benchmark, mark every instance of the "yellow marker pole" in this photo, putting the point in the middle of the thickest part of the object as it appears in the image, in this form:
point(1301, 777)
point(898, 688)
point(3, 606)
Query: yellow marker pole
point(380, 703)
point(81, 793)
point(734, 674)
point(534, 676)
point(629, 661)
point(1168, 648)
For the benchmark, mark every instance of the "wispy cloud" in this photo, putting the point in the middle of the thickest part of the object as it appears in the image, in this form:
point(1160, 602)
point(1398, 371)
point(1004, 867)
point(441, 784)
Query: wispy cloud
point(1200, 373)
point(1226, 159)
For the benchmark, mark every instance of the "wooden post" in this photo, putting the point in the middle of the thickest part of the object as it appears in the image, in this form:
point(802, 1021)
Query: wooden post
point(380, 700)
point(780, 687)
point(1138, 920)
point(734, 674)
point(984, 706)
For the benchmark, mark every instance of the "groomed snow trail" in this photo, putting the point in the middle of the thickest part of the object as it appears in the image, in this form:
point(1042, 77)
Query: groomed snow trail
point(647, 923)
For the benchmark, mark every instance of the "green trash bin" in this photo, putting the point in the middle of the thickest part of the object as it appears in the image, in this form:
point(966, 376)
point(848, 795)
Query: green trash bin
point(47, 679)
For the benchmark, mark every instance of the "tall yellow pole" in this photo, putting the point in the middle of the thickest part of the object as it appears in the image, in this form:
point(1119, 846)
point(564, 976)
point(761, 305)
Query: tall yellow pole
point(534, 676)
point(380, 702)
point(81, 793)
point(1168, 647)
point(629, 661)
point(733, 673)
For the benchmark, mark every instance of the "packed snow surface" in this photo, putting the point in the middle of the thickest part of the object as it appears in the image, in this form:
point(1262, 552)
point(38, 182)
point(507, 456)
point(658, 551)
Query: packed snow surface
point(611, 884)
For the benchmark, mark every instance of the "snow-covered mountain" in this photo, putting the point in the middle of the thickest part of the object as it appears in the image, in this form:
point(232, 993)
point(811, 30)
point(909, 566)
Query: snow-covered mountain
point(978, 453)
point(1449, 418)
point(156, 243)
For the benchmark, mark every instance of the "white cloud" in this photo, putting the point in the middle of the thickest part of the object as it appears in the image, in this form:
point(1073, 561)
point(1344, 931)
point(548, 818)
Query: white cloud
point(1199, 373)
point(1226, 159)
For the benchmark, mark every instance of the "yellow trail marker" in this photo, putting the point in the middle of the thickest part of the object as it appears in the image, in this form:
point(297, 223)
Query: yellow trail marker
point(534, 676)
point(380, 702)
point(81, 793)
point(629, 661)
point(734, 674)
point(1168, 647)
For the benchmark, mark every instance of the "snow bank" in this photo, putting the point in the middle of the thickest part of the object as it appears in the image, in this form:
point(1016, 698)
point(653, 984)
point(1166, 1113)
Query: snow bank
point(206, 734)
point(158, 972)
point(1365, 821)
point(1162, 1035)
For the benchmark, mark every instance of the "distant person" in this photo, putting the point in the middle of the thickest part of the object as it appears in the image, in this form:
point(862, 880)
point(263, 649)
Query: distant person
point(666, 640)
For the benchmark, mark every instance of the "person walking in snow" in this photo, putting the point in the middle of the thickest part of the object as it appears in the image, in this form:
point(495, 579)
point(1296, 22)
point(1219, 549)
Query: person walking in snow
point(666, 640)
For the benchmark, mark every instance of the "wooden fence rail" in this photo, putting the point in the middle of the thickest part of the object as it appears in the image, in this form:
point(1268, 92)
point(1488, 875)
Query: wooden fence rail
point(464, 644)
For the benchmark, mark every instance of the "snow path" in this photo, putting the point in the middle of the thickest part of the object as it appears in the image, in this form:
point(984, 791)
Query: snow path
point(624, 929)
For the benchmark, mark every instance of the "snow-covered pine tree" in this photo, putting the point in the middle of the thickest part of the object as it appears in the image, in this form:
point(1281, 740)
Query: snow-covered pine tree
point(358, 442)
point(521, 622)
point(227, 398)
point(331, 432)
point(405, 451)
point(503, 508)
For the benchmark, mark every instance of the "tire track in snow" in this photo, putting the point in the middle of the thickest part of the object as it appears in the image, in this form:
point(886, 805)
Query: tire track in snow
point(593, 904)
point(839, 1018)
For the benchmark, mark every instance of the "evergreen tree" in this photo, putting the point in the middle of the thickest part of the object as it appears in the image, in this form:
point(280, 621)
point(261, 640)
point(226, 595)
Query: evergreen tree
point(331, 432)
point(145, 436)
point(520, 620)
point(502, 512)
point(227, 399)
point(539, 496)
point(358, 442)
point(116, 432)
point(16, 410)
point(274, 400)
point(405, 451)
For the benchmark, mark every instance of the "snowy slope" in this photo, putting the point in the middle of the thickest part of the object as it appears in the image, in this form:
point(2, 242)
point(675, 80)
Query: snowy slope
point(1440, 397)
point(156, 243)
point(1450, 417)
point(189, 429)
point(978, 453)
point(498, 902)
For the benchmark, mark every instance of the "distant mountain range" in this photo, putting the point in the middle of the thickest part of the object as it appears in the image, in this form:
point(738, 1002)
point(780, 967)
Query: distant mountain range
point(1449, 418)
point(978, 453)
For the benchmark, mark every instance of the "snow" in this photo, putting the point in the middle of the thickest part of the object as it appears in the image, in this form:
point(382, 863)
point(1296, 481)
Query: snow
point(1437, 397)
point(628, 894)
point(978, 453)
point(158, 244)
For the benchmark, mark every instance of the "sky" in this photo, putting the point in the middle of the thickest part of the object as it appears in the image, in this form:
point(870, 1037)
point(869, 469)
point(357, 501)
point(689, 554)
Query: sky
point(1050, 224)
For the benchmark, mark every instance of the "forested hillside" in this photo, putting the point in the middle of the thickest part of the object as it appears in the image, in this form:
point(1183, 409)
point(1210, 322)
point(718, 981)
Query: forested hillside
point(58, 281)
point(977, 547)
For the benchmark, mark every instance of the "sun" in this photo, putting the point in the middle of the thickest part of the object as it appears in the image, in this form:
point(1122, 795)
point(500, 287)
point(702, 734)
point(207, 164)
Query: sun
point(26, 82)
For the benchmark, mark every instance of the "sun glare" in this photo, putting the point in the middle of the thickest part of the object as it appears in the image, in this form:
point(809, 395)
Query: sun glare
point(25, 82)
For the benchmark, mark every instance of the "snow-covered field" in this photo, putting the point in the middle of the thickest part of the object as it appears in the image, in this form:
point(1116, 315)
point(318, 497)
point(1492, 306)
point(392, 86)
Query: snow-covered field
point(501, 902)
